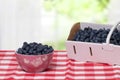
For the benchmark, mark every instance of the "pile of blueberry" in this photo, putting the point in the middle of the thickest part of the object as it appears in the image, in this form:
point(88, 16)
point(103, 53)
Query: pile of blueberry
point(97, 36)
point(34, 49)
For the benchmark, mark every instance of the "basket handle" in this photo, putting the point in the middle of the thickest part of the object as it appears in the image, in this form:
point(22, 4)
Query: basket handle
point(110, 33)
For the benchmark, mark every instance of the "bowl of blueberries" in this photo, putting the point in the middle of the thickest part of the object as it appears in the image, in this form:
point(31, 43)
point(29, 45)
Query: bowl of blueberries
point(34, 57)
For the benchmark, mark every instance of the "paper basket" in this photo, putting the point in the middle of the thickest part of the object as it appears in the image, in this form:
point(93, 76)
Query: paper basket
point(95, 52)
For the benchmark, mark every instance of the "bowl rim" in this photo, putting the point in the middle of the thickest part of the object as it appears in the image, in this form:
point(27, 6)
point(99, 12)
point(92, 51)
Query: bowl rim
point(34, 55)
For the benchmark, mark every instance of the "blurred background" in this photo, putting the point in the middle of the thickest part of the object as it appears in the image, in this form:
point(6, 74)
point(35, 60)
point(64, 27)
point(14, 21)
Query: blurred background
point(49, 21)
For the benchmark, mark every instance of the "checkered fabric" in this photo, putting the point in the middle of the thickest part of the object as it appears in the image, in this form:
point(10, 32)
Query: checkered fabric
point(61, 68)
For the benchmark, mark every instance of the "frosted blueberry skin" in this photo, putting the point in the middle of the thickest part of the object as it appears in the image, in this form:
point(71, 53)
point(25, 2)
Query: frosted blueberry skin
point(97, 36)
point(34, 49)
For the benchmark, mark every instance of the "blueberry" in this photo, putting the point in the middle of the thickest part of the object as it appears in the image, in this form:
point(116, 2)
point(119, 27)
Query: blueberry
point(100, 30)
point(103, 40)
point(104, 36)
point(96, 41)
point(42, 52)
point(87, 40)
point(45, 46)
point(99, 35)
point(86, 34)
point(24, 51)
point(35, 47)
point(31, 44)
point(39, 44)
point(77, 39)
point(24, 46)
point(39, 49)
point(25, 43)
point(50, 49)
point(27, 48)
point(86, 29)
point(34, 52)
point(30, 51)
point(92, 33)
point(20, 51)
point(107, 30)
point(35, 43)
point(45, 50)
point(92, 40)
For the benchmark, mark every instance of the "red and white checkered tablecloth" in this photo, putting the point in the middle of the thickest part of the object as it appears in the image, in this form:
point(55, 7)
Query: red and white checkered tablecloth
point(61, 68)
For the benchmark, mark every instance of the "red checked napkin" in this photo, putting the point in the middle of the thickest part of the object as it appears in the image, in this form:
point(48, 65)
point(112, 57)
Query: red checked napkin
point(61, 68)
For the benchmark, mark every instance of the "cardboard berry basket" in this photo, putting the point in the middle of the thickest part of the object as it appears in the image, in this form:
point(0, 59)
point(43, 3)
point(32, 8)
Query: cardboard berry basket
point(95, 52)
